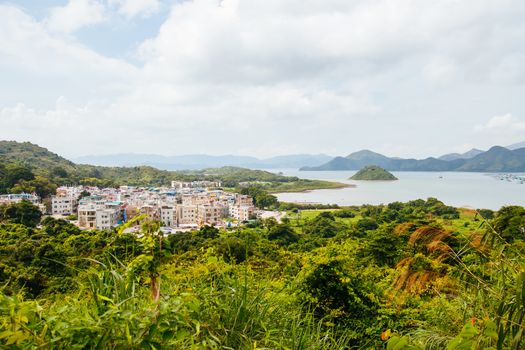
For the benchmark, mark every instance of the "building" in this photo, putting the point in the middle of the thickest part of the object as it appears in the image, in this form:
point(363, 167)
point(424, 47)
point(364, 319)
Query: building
point(242, 212)
point(243, 200)
point(168, 215)
point(63, 205)
point(107, 218)
point(18, 197)
point(87, 215)
point(210, 214)
point(69, 191)
point(11, 198)
point(186, 214)
point(195, 184)
point(96, 216)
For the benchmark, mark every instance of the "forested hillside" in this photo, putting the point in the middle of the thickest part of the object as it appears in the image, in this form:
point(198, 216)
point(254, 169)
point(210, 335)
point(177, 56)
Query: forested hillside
point(416, 275)
point(25, 167)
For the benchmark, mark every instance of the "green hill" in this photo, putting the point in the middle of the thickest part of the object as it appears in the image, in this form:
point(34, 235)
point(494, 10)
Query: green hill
point(373, 173)
point(496, 159)
point(34, 164)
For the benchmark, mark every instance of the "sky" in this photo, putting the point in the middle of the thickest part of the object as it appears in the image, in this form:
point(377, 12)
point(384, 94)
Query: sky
point(406, 78)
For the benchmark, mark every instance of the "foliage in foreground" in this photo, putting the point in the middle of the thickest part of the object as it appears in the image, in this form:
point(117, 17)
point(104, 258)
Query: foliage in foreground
point(416, 275)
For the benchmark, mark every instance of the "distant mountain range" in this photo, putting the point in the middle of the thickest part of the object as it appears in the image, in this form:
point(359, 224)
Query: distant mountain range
point(200, 161)
point(467, 155)
point(516, 145)
point(496, 159)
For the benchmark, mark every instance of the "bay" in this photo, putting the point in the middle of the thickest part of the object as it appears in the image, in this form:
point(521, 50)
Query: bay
point(469, 190)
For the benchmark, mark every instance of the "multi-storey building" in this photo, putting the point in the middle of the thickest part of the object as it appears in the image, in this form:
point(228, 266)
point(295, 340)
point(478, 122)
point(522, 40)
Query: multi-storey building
point(242, 212)
point(63, 205)
point(107, 218)
point(243, 200)
point(87, 215)
point(168, 215)
point(98, 216)
point(210, 214)
point(186, 214)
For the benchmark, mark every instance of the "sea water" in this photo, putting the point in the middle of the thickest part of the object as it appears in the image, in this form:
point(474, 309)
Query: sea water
point(460, 189)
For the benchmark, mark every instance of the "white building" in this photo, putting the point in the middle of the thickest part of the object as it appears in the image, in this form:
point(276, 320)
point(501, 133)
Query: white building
point(107, 218)
point(168, 215)
point(63, 205)
point(96, 216)
point(18, 197)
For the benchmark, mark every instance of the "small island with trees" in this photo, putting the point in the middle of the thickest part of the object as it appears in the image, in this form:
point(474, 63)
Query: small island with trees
point(373, 173)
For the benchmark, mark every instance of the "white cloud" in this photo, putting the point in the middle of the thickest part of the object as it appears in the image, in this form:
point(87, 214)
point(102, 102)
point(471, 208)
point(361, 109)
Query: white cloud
point(133, 8)
point(74, 15)
point(55, 63)
point(268, 76)
point(441, 71)
point(503, 123)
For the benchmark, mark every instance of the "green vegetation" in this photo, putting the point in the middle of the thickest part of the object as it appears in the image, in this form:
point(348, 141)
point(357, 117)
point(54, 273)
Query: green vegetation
point(25, 167)
point(273, 183)
point(415, 275)
point(373, 173)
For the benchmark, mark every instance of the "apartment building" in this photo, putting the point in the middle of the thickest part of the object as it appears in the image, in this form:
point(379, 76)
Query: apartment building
point(87, 215)
point(63, 205)
point(186, 214)
point(211, 214)
point(242, 212)
point(244, 200)
point(96, 216)
point(107, 218)
point(168, 215)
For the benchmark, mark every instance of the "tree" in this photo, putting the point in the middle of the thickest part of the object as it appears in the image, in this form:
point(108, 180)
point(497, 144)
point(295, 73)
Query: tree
point(334, 286)
point(24, 213)
point(283, 234)
point(510, 223)
point(383, 247)
point(324, 225)
point(233, 249)
point(366, 224)
point(208, 232)
point(262, 199)
point(40, 185)
point(83, 194)
point(59, 172)
point(153, 254)
point(12, 173)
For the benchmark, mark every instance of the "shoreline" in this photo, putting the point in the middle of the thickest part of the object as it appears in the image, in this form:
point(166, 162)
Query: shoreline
point(337, 186)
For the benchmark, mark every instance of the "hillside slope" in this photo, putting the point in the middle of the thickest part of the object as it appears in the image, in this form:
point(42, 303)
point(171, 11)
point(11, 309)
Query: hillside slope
point(496, 159)
point(373, 173)
point(60, 171)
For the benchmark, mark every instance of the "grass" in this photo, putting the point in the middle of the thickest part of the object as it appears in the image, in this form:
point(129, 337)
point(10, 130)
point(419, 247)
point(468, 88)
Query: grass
point(465, 225)
point(304, 185)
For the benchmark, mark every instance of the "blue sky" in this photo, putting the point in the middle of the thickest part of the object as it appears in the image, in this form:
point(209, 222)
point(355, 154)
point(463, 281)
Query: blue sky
point(118, 37)
point(262, 77)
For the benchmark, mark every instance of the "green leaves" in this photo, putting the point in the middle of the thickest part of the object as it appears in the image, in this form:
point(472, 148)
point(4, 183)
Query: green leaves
point(400, 343)
point(465, 340)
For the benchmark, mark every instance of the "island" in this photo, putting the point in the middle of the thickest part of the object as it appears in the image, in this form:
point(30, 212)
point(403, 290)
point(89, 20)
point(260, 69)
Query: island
point(373, 173)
